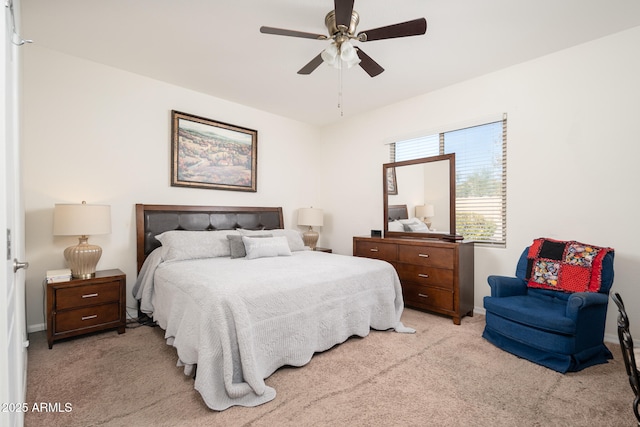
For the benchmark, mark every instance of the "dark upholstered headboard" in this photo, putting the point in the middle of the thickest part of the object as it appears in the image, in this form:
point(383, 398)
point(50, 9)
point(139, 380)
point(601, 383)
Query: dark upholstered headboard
point(152, 220)
point(398, 212)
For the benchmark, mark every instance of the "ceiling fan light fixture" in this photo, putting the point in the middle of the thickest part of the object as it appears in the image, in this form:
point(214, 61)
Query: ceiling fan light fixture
point(349, 55)
point(330, 55)
point(334, 55)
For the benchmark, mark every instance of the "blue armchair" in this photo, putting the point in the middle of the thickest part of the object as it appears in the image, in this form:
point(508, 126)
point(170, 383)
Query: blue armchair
point(563, 331)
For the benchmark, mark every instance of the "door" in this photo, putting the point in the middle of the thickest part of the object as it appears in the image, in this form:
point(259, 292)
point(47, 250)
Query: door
point(13, 333)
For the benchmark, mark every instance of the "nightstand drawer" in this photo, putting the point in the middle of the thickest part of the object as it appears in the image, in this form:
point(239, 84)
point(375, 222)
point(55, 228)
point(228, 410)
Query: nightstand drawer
point(87, 317)
point(385, 251)
point(426, 255)
point(81, 296)
point(425, 276)
point(427, 297)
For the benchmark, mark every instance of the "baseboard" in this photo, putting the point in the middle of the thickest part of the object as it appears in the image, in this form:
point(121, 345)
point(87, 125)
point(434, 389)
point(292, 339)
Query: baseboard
point(613, 339)
point(36, 328)
point(476, 310)
point(479, 310)
point(610, 338)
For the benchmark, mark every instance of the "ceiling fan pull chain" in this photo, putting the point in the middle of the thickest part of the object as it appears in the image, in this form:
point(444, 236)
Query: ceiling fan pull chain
point(340, 90)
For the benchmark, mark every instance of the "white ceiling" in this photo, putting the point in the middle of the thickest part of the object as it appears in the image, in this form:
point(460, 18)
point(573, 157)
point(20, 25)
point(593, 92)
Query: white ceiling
point(215, 47)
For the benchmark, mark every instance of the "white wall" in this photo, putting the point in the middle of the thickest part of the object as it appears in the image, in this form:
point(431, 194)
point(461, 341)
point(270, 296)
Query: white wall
point(99, 134)
point(573, 150)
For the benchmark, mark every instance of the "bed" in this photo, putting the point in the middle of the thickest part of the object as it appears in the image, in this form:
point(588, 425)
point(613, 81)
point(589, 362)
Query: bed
point(240, 318)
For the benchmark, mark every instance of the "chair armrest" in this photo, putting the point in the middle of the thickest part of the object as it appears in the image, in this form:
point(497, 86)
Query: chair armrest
point(503, 286)
point(581, 300)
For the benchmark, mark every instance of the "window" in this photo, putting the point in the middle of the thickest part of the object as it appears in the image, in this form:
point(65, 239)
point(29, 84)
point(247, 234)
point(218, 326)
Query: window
point(481, 176)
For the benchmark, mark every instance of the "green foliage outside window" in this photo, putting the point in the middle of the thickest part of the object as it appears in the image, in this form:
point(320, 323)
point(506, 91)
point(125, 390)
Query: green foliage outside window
point(474, 226)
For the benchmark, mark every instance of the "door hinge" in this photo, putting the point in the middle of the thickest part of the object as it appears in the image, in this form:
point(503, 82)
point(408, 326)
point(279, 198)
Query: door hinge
point(8, 244)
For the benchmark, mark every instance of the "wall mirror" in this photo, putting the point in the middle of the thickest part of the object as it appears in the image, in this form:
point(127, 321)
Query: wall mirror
point(419, 197)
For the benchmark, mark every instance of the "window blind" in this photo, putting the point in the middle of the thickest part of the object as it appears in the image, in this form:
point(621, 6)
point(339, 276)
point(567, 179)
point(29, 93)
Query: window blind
point(481, 175)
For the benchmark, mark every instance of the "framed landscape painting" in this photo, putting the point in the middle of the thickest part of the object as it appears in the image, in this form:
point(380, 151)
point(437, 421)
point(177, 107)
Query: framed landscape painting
point(210, 154)
point(392, 183)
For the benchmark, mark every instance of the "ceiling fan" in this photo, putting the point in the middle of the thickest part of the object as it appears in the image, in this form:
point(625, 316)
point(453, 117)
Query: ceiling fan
point(341, 24)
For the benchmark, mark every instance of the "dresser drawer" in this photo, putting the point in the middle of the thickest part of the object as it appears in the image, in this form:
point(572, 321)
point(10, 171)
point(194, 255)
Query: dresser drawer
point(427, 297)
point(426, 255)
point(425, 276)
point(87, 317)
point(80, 296)
point(385, 251)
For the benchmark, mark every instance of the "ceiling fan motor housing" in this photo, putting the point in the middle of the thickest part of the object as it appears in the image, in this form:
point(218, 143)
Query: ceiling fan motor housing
point(330, 23)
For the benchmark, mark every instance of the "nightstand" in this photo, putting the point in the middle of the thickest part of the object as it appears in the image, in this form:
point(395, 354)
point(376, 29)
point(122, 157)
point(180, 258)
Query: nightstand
point(317, 249)
point(81, 306)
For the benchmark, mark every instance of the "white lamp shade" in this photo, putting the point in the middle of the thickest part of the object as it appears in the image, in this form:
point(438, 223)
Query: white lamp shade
point(330, 54)
point(310, 216)
point(81, 219)
point(425, 211)
point(335, 56)
point(349, 55)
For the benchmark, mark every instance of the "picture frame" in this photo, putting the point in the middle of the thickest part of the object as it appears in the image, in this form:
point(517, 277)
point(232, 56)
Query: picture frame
point(209, 154)
point(392, 183)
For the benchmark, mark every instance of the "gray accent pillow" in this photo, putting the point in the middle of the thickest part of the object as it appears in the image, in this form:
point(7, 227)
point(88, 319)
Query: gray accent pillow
point(294, 237)
point(417, 227)
point(414, 224)
point(236, 245)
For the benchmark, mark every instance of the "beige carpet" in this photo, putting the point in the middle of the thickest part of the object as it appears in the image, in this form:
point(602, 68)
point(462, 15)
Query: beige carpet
point(444, 375)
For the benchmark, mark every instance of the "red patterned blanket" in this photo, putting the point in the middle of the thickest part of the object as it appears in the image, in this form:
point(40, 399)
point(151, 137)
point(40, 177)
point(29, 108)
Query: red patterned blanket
point(567, 266)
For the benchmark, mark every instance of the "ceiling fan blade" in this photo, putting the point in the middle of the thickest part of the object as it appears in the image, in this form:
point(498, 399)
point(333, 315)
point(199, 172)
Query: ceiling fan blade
point(292, 33)
point(311, 66)
point(416, 27)
point(343, 9)
point(369, 65)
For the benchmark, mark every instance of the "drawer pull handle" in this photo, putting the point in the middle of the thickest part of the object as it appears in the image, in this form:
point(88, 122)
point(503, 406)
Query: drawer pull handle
point(89, 295)
point(374, 249)
point(93, 316)
point(423, 255)
point(423, 295)
point(426, 276)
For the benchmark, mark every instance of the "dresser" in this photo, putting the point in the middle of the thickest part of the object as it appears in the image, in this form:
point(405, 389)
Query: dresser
point(82, 306)
point(435, 275)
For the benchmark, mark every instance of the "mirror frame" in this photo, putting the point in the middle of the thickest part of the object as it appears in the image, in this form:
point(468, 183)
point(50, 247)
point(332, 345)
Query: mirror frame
point(451, 158)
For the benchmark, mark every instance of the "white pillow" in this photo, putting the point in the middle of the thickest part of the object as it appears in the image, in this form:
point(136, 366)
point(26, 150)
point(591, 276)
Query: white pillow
point(236, 245)
point(395, 226)
point(414, 224)
point(245, 232)
point(417, 226)
point(181, 244)
point(408, 221)
point(294, 238)
point(266, 247)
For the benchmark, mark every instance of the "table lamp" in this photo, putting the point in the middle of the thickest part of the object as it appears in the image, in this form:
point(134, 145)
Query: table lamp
point(82, 220)
point(424, 213)
point(310, 217)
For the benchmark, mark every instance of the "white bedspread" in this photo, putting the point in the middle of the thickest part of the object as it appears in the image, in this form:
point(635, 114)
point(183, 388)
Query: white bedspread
point(239, 320)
